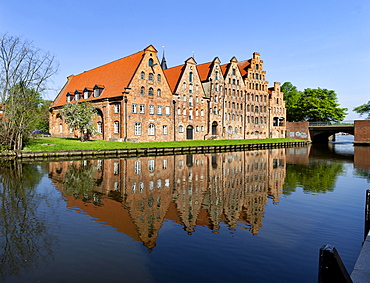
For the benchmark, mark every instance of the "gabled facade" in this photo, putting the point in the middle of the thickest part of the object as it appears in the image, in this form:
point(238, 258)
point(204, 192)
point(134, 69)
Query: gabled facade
point(138, 99)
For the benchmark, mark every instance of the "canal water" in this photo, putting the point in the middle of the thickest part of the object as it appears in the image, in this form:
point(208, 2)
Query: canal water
point(253, 216)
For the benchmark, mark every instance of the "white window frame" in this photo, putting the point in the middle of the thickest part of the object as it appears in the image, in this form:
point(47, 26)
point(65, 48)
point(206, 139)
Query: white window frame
point(151, 130)
point(137, 129)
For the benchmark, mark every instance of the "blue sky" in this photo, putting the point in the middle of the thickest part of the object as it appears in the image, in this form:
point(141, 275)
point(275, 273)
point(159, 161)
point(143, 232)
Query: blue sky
point(316, 43)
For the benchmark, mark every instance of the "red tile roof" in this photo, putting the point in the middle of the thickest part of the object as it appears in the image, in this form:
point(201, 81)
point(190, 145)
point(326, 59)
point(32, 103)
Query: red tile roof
point(114, 76)
point(173, 76)
point(204, 71)
point(243, 65)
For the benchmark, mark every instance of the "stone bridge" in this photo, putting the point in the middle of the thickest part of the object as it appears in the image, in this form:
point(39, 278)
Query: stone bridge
point(321, 133)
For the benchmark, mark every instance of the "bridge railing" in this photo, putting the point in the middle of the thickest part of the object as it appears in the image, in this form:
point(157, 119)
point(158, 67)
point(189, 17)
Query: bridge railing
point(342, 123)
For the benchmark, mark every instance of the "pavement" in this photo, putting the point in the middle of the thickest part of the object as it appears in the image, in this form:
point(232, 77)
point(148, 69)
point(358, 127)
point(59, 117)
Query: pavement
point(361, 271)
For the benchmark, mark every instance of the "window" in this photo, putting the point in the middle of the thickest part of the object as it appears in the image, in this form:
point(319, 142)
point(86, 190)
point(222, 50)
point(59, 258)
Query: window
point(184, 85)
point(159, 110)
point(181, 129)
point(165, 129)
point(159, 78)
point(216, 87)
point(256, 66)
point(151, 109)
point(68, 97)
point(134, 108)
point(184, 112)
point(257, 76)
point(116, 108)
point(202, 113)
point(116, 168)
point(150, 62)
point(184, 98)
point(86, 94)
point(233, 72)
point(97, 91)
point(116, 127)
point(77, 95)
point(151, 77)
point(190, 77)
point(256, 120)
point(233, 81)
point(202, 128)
point(142, 108)
point(168, 110)
point(197, 128)
point(151, 165)
point(158, 92)
point(196, 99)
point(178, 111)
point(190, 88)
point(256, 109)
point(137, 130)
point(190, 100)
point(60, 128)
point(142, 75)
point(100, 128)
point(164, 163)
point(215, 110)
point(150, 92)
point(137, 167)
point(142, 90)
point(151, 130)
point(216, 75)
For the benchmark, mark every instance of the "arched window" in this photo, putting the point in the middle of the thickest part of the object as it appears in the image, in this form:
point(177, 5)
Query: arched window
point(216, 87)
point(137, 129)
point(142, 90)
point(256, 120)
point(184, 85)
point(151, 130)
point(142, 75)
point(202, 113)
point(191, 77)
point(216, 75)
point(190, 100)
point(159, 78)
point(215, 110)
point(151, 77)
point(181, 129)
point(256, 66)
point(150, 92)
point(150, 62)
point(256, 109)
point(158, 92)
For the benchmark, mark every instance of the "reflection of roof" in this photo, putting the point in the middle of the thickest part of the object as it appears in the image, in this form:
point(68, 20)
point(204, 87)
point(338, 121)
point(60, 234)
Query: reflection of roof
point(114, 76)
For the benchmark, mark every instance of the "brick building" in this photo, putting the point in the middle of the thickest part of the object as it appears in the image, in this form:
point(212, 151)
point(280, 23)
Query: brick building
point(139, 99)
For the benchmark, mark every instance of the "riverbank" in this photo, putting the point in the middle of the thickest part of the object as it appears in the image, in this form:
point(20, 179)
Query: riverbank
point(49, 148)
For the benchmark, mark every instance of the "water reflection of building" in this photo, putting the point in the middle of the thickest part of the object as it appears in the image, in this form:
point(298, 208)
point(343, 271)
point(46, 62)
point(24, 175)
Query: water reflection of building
point(205, 189)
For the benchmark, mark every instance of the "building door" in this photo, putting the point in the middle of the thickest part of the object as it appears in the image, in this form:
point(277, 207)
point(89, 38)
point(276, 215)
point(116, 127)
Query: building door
point(214, 128)
point(189, 132)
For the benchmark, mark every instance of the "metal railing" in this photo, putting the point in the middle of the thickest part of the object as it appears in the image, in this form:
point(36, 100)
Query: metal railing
point(342, 123)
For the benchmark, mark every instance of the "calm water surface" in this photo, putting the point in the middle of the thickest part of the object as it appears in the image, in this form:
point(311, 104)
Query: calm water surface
point(254, 216)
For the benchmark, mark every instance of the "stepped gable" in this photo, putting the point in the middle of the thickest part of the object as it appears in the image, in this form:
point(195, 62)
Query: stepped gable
point(113, 77)
point(173, 76)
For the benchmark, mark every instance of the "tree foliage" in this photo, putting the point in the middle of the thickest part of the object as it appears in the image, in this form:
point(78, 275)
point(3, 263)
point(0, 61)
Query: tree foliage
point(363, 109)
point(79, 116)
point(312, 104)
point(22, 111)
point(24, 72)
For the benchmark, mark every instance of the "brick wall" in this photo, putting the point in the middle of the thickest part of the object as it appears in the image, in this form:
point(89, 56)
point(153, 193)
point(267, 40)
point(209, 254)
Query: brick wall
point(298, 130)
point(362, 132)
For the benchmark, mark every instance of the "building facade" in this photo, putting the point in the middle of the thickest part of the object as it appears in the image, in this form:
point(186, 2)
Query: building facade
point(139, 99)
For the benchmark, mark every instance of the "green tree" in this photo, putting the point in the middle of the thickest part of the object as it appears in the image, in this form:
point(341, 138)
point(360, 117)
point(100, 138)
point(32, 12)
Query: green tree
point(363, 109)
point(79, 116)
point(291, 97)
point(320, 105)
point(22, 112)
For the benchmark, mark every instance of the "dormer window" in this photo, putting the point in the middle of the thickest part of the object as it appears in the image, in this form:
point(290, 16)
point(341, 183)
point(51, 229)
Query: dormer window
point(77, 95)
point(69, 97)
point(98, 89)
point(87, 92)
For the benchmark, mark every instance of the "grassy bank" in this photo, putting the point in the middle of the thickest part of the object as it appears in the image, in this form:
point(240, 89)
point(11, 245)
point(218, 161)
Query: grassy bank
point(55, 144)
